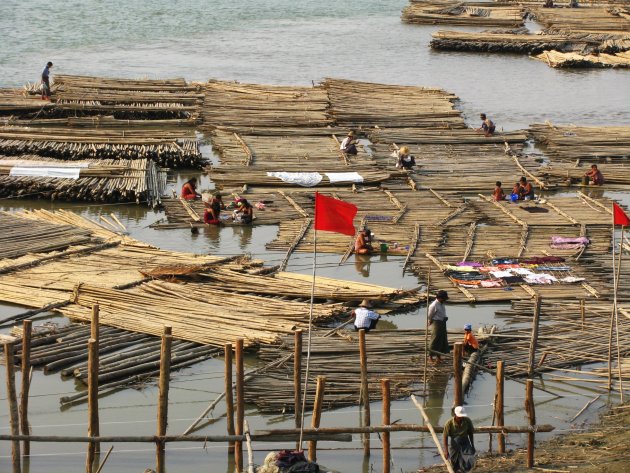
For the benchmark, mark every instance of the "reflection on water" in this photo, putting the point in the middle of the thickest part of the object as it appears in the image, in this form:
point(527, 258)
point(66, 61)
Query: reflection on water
point(362, 264)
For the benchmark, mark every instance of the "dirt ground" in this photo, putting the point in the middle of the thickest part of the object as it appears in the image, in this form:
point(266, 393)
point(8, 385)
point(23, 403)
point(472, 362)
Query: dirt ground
point(603, 449)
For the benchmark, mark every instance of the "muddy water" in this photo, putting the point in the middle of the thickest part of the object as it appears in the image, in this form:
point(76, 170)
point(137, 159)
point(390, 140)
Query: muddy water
point(284, 42)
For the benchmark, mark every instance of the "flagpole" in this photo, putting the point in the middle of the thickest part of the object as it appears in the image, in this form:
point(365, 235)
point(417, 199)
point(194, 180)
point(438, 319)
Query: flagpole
point(612, 315)
point(617, 316)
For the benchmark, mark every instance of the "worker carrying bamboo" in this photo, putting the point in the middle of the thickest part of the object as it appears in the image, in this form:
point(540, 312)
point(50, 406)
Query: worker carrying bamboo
point(460, 430)
point(594, 177)
point(364, 318)
point(213, 209)
point(437, 320)
point(487, 125)
point(470, 344)
point(189, 190)
point(349, 144)
point(363, 243)
point(405, 160)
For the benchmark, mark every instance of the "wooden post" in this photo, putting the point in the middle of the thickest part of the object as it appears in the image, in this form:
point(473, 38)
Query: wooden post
point(426, 336)
point(26, 382)
point(297, 378)
point(240, 405)
point(229, 397)
point(317, 415)
point(14, 418)
point(534, 340)
point(93, 421)
point(94, 325)
point(386, 421)
point(365, 395)
point(582, 311)
point(531, 416)
point(458, 398)
point(500, 420)
point(162, 420)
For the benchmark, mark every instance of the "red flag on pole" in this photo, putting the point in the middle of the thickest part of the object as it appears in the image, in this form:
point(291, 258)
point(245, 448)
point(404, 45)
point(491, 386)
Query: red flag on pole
point(620, 217)
point(334, 215)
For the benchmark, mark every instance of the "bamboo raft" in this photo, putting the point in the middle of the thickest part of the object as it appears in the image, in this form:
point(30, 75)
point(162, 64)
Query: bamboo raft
point(570, 59)
point(463, 14)
point(564, 173)
point(107, 180)
point(17, 102)
point(596, 19)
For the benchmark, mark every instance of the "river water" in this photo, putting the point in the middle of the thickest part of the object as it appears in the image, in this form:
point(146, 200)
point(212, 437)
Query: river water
point(280, 42)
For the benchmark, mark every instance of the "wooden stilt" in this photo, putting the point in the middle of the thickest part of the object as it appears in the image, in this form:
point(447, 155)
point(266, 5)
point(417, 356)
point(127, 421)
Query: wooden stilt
point(229, 397)
point(93, 421)
point(365, 395)
point(317, 415)
point(240, 405)
point(26, 382)
point(531, 416)
point(387, 459)
point(165, 369)
point(499, 405)
point(534, 339)
point(458, 398)
point(14, 421)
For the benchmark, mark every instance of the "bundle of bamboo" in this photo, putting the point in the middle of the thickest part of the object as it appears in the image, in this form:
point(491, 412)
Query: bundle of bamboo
point(559, 59)
point(251, 105)
point(172, 148)
point(587, 18)
point(111, 180)
point(462, 14)
point(363, 104)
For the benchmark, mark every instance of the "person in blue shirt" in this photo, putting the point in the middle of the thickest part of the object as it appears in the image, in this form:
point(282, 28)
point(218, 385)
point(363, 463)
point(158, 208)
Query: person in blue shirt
point(46, 81)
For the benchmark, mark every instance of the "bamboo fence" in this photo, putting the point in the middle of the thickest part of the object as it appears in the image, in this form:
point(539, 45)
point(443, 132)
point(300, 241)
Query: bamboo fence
point(463, 14)
point(108, 180)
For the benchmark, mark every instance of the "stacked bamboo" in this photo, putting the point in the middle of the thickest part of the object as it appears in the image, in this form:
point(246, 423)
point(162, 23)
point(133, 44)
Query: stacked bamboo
point(595, 19)
point(251, 105)
point(106, 180)
point(593, 144)
point(174, 148)
point(394, 354)
point(16, 102)
point(462, 14)
point(560, 59)
point(362, 104)
point(564, 173)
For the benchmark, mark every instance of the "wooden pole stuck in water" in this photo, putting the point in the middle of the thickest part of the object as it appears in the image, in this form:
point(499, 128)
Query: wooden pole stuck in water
point(387, 457)
point(531, 416)
point(162, 420)
point(14, 422)
point(317, 415)
point(26, 382)
point(93, 421)
point(229, 397)
point(365, 395)
point(426, 336)
point(500, 420)
point(297, 378)
point(240, 405)
point(94, 325)
point(95, 334)
point(534, 339)
point(458, 397)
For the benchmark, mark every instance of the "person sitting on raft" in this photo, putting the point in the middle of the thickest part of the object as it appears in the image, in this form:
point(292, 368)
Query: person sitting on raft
point(213, 210)
point(363, 243)
point(471, 344)
point(498, 195)
point(244, 212)
point(405, 161)
point(349, 144)
point(189, 190)
point(527, 190)
point(594, 177)
point(487, 126)
point(364, 318)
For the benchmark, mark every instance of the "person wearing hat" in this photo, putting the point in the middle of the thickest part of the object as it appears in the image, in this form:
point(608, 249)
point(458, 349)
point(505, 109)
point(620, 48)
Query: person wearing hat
point(471, 344)
point(349, 144)
point(437, 320)
point(405, 160)
point(460, 429)
point(213, 209)
point(363, 243)
point(364, 318)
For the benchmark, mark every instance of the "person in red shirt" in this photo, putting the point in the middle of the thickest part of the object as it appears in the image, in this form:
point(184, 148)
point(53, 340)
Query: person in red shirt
point(498, 194)
point(189, 190)
point(595, 176)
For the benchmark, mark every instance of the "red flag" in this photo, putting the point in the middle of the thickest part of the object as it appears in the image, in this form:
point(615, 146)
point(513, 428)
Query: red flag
point(334, 215)
point(619, 216)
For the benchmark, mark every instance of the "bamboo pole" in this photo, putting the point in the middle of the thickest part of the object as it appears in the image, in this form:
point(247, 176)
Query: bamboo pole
point(93, 421)
point(317, 415)
point(9, 357)
point(26, 382)
point(95, 334)
point(297, 378)
point(240, 405)
point(531, 416)
point(229, 397)
point(162, 420)
point(446, 461)
point(458, 397)
point(426, 335)
point(387, 458)
point(534, 339)
point(499, 405)
point(365, 395)
point(102, 465)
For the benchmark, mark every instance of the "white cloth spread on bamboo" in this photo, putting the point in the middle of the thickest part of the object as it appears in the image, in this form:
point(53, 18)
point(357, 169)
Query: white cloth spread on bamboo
point(56, 172)
point(344, 177)
point(305, 179)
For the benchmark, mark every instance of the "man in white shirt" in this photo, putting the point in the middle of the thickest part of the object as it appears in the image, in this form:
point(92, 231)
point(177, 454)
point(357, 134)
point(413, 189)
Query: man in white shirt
point(364, 318)
point(437, 320)
point(348, 145)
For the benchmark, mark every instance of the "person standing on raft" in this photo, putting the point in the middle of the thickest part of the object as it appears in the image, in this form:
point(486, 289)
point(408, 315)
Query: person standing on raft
point(46, 81)
point(349, 144)
point(189, 190)
point(487, 125)
point(363, 243)
point(437, 320)
point(460, 429)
